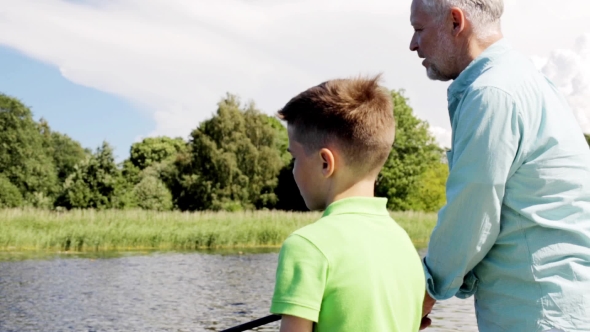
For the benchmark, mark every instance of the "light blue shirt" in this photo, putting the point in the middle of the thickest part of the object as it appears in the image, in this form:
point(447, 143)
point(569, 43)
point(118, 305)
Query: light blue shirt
point(516, 228)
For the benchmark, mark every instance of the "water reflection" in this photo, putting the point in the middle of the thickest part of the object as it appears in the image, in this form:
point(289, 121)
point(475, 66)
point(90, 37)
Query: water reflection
point(156, 292)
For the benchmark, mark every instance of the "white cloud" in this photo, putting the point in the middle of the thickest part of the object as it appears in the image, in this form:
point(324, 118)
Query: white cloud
point(177, 58)
point(443, 136)
point(569, 70)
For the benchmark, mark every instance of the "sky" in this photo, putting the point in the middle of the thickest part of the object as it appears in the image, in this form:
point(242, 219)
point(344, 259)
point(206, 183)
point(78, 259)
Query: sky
point(123, 70)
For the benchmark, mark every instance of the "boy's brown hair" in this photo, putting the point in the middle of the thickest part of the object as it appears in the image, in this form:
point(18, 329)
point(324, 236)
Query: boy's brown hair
point(354, 114)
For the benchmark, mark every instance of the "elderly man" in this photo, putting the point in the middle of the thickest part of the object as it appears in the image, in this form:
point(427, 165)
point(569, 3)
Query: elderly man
point(515, 231)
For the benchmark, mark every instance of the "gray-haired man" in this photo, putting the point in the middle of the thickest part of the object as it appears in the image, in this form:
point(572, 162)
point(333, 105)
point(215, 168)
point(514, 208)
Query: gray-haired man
point(516, 228)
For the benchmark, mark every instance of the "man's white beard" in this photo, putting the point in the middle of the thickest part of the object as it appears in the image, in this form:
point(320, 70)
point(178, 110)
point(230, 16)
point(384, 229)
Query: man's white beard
point(439, 65)
point(434, 74)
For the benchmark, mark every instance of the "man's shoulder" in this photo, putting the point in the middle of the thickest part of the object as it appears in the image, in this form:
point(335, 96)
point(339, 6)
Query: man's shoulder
point(507, 74)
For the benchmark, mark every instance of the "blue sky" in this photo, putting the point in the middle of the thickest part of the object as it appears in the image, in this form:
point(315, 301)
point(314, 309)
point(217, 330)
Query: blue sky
point(85, 114)
point(122, 70)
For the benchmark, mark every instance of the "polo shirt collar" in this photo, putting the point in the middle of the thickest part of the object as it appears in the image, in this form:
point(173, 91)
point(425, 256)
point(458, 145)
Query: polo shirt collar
point(358, 205)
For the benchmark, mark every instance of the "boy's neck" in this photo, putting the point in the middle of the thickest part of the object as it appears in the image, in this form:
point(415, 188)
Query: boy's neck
point(364, 188)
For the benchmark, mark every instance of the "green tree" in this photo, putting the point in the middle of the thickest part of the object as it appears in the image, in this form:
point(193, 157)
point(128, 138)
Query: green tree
point(65, 151)
point(10, 196)
point(154, 150)
point(24, 161)
point(130, 172)
point(282, 138)
point(414, 152)
point(150, 151)
point(94, 182)
point(587, 138)
point(233, 161)
point(428, 194)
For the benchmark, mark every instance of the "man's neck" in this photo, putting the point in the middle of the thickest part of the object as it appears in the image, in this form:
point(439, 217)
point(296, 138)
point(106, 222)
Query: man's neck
point(475, 47)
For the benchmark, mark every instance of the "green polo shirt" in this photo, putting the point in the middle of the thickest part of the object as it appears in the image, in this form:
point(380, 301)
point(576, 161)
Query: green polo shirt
point(355, 269)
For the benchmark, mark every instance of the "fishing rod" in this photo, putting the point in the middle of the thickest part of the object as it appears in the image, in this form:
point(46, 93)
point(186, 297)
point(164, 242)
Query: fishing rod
point(254, 323)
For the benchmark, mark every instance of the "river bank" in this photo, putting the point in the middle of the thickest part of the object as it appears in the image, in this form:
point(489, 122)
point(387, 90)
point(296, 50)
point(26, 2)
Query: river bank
point(108, 230)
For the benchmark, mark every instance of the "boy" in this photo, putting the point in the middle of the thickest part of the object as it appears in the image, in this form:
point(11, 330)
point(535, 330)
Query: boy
point(355, 269)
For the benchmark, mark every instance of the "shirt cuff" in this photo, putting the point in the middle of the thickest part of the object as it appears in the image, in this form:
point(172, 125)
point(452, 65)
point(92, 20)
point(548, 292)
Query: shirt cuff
point(467, 289)
point(469, 286)
point(292, 309)
point(429, 281)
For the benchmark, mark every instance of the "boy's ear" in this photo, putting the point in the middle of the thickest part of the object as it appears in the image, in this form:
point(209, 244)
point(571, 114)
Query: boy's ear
point(328, 162)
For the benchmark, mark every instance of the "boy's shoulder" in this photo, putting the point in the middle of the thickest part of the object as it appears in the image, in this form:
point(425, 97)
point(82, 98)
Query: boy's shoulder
point(317, 230)
point(311, 234)
point(314, 227)
point(331, 233)
point(314, 235)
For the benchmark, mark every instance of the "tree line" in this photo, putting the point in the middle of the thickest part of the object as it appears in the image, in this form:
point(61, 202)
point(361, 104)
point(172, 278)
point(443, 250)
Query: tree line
point(236, 160)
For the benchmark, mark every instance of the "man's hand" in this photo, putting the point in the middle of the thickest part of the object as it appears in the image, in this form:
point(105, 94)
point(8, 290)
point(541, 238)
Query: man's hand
point(295, 324)
point(427, 306)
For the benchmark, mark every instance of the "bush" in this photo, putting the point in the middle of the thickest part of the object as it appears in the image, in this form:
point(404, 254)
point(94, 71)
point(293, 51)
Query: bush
point(10, 196)
point(39, 200)
point(151, 194)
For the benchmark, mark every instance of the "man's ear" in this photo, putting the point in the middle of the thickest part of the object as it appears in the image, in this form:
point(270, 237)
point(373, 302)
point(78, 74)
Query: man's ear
point(328, 162)
point(458, 20)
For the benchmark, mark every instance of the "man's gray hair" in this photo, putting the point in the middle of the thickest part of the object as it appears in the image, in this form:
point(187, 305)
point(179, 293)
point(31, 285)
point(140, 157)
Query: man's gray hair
point(484, 15)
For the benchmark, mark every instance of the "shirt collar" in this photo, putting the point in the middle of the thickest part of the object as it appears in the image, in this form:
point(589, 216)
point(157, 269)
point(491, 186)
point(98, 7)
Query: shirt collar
point(477, 67)
point(358, 205)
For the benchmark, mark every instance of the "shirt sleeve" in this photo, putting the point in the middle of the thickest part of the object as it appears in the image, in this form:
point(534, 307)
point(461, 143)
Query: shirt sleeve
point(486, 138)
point(300, 280)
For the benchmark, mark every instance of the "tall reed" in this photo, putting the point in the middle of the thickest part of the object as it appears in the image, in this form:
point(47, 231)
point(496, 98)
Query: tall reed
point(90, 230)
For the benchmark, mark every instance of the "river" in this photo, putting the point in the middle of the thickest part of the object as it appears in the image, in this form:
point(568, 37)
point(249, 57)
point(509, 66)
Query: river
point(155, 292)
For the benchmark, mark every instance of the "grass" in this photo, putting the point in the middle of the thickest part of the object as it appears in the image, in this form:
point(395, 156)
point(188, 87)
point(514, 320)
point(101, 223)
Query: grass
point(89, 230)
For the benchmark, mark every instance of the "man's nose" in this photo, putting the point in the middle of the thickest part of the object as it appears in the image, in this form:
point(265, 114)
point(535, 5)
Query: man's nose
point(413, 44)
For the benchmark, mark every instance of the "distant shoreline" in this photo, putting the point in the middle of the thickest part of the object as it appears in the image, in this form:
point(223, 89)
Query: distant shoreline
point(82, 231)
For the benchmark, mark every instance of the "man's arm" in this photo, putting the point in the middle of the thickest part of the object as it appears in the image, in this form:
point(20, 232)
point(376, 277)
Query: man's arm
point(295, 324)
point(486, 141)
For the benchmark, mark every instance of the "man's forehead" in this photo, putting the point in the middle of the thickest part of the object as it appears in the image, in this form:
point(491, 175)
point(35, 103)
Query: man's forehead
point(416, 12)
